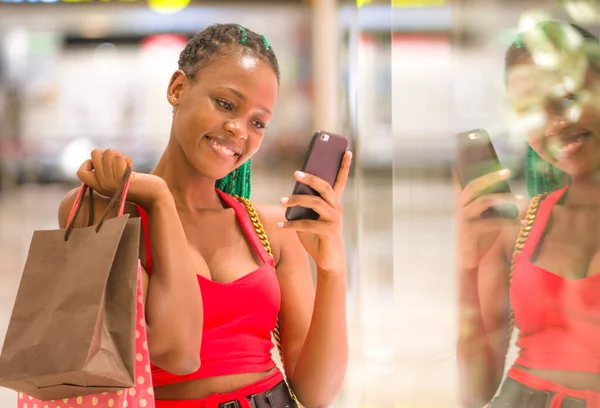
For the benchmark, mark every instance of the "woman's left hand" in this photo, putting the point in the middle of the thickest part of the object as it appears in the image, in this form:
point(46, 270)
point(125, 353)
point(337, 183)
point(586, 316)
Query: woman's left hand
point(323, 238)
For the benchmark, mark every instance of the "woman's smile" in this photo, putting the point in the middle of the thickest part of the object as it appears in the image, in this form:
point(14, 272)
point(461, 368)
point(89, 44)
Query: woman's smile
point(567, 147)
point(223, 148)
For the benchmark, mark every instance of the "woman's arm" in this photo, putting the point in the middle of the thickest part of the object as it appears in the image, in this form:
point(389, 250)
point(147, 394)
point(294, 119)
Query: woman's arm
point(483, 326)
point(172, 296)
point(313, 325)
point(174, 309)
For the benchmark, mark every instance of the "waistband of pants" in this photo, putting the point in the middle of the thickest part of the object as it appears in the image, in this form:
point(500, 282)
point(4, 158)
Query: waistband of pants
point(241, 396)
point(591, 398)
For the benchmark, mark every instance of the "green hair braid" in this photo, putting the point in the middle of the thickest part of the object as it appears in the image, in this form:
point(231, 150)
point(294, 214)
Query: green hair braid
point(244, 34)
point(238, 182)
point(266, 42)
point(541, 176)
point(519, 41)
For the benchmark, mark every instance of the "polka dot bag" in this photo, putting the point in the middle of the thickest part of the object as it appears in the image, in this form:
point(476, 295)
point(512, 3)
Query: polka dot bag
point(139, 396)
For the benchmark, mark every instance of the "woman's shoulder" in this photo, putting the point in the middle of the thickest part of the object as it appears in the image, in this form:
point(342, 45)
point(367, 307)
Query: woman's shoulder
point(527, 212)
point(270, 215)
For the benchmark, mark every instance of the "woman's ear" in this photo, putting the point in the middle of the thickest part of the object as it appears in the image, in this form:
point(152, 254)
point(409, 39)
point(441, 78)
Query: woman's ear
point(177, 84)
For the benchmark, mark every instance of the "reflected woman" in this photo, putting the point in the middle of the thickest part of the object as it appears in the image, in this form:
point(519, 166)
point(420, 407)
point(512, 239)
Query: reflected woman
point(540, 272)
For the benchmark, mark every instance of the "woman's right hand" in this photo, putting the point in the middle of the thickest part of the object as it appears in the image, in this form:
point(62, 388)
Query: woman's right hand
point(476, 234)
point(104, 172)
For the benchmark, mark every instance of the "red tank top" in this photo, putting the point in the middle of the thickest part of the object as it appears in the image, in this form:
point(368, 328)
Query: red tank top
point(238, 316)
point(558, 318)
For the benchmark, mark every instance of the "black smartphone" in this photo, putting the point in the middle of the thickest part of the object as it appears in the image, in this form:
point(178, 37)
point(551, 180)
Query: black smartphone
point(477, 157)
point(323, 159)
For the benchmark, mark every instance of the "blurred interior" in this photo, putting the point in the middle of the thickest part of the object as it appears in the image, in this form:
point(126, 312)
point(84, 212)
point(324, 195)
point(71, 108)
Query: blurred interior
point(398, 78)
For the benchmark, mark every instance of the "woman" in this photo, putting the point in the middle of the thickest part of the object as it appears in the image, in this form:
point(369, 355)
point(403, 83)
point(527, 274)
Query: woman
point(550, 285)
point(213, 293)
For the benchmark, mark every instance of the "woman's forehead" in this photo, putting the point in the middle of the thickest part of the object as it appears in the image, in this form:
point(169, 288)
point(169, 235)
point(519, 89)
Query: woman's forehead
point(522, 75)
point(527, 79)
point(236, 67)
point(251, 75)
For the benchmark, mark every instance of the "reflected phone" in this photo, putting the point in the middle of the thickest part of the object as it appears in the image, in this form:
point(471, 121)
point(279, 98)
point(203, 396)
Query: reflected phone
point(477, 157)
point(323, 159)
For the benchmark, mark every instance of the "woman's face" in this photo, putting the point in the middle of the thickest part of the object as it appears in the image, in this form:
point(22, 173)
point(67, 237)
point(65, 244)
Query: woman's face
point(220, 118)
point(567, 138)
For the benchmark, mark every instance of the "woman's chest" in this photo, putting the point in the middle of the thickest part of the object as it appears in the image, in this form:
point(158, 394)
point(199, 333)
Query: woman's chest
point(570, 245)
point(221, 243)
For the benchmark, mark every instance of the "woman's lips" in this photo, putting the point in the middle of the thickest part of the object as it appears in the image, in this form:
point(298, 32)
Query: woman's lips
point(567, 147)
point(221, 149)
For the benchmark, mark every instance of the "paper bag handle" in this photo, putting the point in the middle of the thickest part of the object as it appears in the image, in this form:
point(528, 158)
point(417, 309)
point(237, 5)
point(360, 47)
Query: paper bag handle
point(119, 197)
point(78, 204)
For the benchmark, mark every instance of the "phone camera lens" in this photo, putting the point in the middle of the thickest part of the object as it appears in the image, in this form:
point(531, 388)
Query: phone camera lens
point(473, 136)
point(324, 138)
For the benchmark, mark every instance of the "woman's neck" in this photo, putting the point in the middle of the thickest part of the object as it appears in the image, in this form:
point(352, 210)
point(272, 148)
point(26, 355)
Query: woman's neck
point(192, 191)
point(584, 190)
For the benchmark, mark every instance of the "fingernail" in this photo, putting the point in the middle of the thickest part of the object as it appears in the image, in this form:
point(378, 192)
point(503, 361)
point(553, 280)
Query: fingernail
point(280, 224)
point(520, 197)
point(300, 174)
point(284, 200)
point(523, 222)
point(504, 173)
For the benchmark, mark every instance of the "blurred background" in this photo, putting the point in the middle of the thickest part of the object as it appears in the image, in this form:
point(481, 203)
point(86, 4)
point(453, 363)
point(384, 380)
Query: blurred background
point(399, 78)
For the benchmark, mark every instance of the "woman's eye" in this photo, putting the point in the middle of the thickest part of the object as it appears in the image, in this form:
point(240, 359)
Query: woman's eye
point(568, 101)
point(259, 125)
point(225, 104)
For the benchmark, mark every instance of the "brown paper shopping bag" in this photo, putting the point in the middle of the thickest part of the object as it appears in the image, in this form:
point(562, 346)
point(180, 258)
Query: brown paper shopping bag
point(141, 395)
point(72, 329)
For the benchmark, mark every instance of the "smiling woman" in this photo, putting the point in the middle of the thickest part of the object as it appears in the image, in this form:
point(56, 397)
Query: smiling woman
point(221, 275)
point(539, 272)
point(532, 92)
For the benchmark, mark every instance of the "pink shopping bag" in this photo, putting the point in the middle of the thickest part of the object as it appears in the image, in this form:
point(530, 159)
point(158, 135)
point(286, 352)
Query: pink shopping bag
point(140, 395)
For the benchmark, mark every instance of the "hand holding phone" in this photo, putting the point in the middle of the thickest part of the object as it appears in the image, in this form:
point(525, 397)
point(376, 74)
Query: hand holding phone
point(486, 204)
point(477, 157)
point(323, 160)
point(314, 209)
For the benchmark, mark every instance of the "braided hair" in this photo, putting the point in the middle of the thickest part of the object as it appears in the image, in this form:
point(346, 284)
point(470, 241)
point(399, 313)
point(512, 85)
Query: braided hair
point(214, 42)
point(541, 176)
